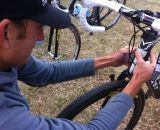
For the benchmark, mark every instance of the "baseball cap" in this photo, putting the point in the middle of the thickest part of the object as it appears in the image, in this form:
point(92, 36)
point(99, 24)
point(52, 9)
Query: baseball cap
point(38, 10)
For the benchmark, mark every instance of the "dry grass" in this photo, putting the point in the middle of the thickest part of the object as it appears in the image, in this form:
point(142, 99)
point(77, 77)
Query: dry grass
point(50, 100)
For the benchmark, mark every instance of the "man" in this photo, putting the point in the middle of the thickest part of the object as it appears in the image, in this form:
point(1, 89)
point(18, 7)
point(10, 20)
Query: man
point(20, 27)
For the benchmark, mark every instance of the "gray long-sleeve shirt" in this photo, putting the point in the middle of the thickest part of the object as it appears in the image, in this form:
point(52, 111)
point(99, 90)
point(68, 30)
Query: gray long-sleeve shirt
point(14, 110)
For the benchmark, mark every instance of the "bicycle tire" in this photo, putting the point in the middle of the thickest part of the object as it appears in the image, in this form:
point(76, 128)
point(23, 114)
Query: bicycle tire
point(69, 45)
point(108, 18)
point(104, 91)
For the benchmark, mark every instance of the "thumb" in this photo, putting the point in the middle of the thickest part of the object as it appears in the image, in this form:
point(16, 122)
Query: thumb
point(138, 55)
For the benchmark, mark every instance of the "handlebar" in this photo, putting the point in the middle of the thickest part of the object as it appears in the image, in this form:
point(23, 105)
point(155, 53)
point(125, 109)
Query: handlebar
point(144, 16)
point(86, 4)
point(138, 15)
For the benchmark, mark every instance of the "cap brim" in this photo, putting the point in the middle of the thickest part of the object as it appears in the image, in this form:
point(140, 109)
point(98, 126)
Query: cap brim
point(53, 17)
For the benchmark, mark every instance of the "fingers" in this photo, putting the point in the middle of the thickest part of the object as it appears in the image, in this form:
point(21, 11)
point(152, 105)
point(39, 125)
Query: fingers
point(153, 59)
point(138, 56)
point(126, 49)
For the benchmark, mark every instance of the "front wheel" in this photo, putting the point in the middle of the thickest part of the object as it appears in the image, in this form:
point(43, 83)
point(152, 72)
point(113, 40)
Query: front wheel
point(86, 106)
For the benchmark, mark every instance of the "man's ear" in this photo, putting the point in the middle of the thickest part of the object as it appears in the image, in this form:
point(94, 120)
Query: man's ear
point(3, 33)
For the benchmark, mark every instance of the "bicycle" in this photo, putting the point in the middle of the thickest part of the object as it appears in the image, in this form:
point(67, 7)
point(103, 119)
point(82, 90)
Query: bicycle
point(57, 48)
point(147, 22)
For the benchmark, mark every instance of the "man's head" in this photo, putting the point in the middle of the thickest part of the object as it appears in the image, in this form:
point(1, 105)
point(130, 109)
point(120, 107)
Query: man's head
point(21, 24)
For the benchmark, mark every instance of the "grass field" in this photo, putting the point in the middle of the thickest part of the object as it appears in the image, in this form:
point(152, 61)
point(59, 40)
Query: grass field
point(50, 100)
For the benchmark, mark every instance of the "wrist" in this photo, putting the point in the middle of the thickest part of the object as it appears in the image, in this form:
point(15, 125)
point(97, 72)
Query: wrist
point(133, 87)
point(104, 61)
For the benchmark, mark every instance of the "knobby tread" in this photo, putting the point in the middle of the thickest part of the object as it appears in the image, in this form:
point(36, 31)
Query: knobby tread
point(97, 93)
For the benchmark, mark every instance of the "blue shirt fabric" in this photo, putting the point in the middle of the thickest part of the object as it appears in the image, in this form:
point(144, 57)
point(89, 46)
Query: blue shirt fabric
point(14, 110)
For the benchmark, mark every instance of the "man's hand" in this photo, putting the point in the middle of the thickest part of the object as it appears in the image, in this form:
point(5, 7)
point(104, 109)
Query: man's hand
point(116, 59)
point(121, 57)
point(142, 73)
point(144, 70)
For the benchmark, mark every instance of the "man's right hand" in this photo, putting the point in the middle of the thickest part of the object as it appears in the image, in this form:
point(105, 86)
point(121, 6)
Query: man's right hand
point(144, 70)
point(142, 73)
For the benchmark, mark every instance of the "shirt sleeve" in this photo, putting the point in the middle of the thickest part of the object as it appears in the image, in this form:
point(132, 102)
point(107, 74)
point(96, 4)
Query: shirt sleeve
point(113, 113)
point(106, 119)
point(38, 72)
